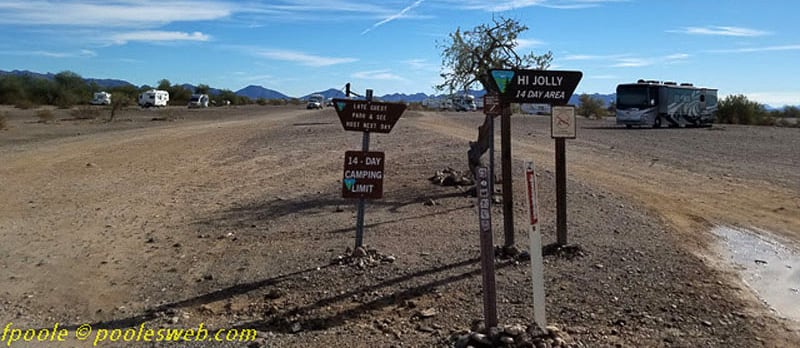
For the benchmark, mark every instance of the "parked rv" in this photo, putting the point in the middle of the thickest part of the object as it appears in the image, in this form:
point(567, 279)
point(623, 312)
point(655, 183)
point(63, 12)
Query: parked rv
point(654, 103)
point(153, 97)
point(101, 98)
point(463, 102)
point(198, 101)
point(315, 101)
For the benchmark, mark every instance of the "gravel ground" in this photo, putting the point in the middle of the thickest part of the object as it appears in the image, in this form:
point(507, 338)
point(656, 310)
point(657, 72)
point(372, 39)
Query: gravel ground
point(233, 218)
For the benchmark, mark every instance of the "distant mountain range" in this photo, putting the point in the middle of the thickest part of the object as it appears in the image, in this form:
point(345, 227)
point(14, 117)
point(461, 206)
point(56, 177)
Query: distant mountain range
point(256, 92)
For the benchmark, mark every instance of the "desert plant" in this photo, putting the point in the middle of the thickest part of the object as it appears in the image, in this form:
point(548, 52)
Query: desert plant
point(591, 107)
point(737, 109)
point(45, 116)
point(25, 104)
point(4, 120)
point(261, 101)
point(276, 102)
point(85, 112)
point(118, 103)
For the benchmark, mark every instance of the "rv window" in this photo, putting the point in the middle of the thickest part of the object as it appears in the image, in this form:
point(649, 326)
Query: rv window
point(702, 98)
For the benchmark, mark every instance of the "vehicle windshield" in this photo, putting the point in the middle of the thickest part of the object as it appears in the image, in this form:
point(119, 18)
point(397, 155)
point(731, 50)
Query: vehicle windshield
point(632, 97)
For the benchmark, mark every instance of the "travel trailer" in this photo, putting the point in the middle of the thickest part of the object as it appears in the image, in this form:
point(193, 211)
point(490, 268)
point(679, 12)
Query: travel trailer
point(101, 98)
point(653, 103)
point(153, 97)
point(198, 101)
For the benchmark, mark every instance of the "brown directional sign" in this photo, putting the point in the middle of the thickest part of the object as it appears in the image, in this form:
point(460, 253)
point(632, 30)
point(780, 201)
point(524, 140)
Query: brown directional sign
point(493, 106)
point(536, 86)
point(367, 116)
point(363, 175)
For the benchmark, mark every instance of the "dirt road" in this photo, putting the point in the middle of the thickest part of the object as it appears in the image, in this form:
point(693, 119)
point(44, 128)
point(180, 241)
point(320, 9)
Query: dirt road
point(231, 218)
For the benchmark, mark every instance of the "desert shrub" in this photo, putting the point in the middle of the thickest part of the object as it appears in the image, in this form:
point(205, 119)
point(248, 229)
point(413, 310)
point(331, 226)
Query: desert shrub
point(261, 101)
point(25, 104)
point(737, 109)
point(85, 112)
point(591, 107)
point(415, 106)
point(295, 101)
point(276, 102)
point(4, 120)
point(45, 116)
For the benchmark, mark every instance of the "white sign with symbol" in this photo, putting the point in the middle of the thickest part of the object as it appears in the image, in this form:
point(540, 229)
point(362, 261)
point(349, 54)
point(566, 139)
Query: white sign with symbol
point(563, 122)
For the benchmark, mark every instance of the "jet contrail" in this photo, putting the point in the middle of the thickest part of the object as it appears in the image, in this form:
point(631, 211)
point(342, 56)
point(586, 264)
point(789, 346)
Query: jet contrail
point(392, 17)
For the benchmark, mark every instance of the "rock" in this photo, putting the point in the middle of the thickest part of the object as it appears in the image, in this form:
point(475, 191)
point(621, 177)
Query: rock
point(462, 341)
point(360, 252)
point(427, 313)
point(477, 325)
point(706, 323)
point(480, 338)
point(507, 340)
point(761, 262)
point(296, 327)
point(90, 164)
point(389, 259)
point(425, 328)
point(339, 209)
point(430, 202)
point(274, 294)
point(515, 330)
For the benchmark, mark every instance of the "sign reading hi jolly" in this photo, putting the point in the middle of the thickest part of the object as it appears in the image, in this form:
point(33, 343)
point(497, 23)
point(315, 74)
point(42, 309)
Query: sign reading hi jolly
point(536, 86)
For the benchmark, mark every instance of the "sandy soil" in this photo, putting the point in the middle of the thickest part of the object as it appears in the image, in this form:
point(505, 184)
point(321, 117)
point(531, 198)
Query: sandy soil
point(231, 217)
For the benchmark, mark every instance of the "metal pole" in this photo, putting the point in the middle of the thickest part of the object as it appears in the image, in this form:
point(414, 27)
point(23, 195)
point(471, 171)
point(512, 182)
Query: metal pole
point(361, 201)
point(508, 194)
point(561, 192)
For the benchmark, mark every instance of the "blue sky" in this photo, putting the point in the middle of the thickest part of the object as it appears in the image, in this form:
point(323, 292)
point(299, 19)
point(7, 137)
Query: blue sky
point(297, 47)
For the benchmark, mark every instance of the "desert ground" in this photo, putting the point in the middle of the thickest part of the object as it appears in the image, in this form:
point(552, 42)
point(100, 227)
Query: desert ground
point(233, 217)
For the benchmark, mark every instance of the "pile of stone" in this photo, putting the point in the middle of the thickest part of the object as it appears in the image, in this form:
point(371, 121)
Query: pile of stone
point(516, 335)
point(362, 257)
point(452, 177)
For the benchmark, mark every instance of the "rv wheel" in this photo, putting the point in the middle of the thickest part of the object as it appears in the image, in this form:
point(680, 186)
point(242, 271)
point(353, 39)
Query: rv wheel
point(657, 122)
point(629, 126)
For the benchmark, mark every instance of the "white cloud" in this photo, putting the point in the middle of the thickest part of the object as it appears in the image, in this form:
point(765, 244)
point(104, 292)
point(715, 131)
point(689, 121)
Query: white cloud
point(385, 75)
point(603, 77)
point(506, 5)
point(529, 43)
point(592, 57)
point(84, 53)
point(721, 31)
point(422, 65)
point(632, 62)
point(120, 13)
point(301, 57)
point(677, 56)
point(759, 49)
point(393, 17)
point(157, 36)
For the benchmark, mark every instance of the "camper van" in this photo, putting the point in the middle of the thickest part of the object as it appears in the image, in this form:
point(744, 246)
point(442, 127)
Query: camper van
point(654, 103)
point(463, 102)
point(198, 101)
point(153, 97)
point(101, 98)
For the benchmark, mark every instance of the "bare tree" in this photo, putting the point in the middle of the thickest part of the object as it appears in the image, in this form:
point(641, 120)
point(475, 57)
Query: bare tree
point(467, 57)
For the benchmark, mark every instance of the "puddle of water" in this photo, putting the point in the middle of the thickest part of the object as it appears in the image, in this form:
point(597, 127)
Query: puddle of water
point(769, 267)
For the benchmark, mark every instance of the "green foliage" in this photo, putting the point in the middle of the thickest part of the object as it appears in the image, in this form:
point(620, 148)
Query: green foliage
point(591, 107)
point(45, 116)
point(737, 109)
point(261, 101)
point(276, 102)
point(468, 55)
point(25, 104)
point(202, 89)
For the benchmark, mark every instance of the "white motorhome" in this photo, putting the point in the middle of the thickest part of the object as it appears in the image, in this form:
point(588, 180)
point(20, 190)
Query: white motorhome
point(651, 103)
point(198, 101)
point(463, 102)
point(153, 97)
point(101, 98)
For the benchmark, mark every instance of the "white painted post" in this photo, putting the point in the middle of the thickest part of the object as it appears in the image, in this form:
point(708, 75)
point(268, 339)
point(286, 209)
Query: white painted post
point(537, 263)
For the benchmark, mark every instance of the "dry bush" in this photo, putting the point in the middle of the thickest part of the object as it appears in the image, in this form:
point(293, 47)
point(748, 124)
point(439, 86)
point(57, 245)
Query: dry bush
point(4, 120)
point(85, 112)
point(45, 116)
point(25, 104)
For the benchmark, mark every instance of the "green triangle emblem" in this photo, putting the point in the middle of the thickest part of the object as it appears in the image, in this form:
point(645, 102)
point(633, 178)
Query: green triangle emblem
point(340, 105)
point(502, 78)
point(348, 183)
